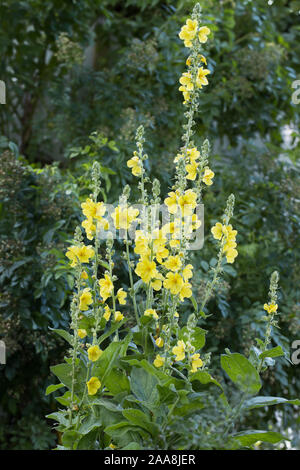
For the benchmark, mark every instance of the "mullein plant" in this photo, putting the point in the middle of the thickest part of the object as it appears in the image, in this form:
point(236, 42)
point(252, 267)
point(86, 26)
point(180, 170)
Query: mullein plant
point(126, 386)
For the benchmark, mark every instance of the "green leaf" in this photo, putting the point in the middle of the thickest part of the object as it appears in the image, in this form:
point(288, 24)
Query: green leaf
point(198, 336)
point(116, 381)
point(274, 352)
point(143, 385)
point(140, 419)
point(248, 438)
point(258, 402)
point(107, 360)
point(205, 378)
point(53, 388)
point(64, 334)
point(241, 372)
point(70, 438)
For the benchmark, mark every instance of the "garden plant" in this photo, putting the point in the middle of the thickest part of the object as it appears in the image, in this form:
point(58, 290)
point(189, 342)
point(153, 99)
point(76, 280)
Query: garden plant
point(138, 373)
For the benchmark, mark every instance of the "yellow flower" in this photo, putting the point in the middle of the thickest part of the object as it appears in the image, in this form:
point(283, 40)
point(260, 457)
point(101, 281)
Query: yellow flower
point(107, 313)
point(186, 291)
point(217, 231)
point(191, 171)
point(208, 176)
point(271, 308)
point(201, 77)
point(93, 210)
point(112, 446)
point(124, 216)
point(118, 316)
point(94, 352)
point(121, 296)
point(186, 81)
point(135, 164)
point(187, 273)
point(188, 32)
point(80, 254)
point(231, 254)
point(84, 275)
point(106, 287)
point(85, 299)
point(196, 362)
point(188, 202)
point(141, 243)
point(171, 202)
point(173, 282)
point(146, 269)
point(193, 154)
point(93, 385)
point(159, 361)
point(203, 33)
point(150, 312)
point(89, 227)
point(173, 263)
point(82, 333)
point(156, 284)
point(159, 342)
point(179, 351)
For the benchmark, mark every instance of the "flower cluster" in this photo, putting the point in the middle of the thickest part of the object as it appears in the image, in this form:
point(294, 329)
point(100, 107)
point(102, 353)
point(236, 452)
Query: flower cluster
point(227, 236)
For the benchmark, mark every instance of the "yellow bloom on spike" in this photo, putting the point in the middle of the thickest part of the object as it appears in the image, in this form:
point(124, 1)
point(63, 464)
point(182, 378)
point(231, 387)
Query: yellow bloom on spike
point(150, 312)
point(107, 313)
point(158, 361)
point(135, 164)
point(203, 33)
point(173, 263)
point(185, 291)
point(196, 362)
point(146, 269)
point(191, 170)
point(156, 284)
point(186, 81)
point(85, 299)
point(106, 287)
point(188, 32)
point(118, 316)
point(187, 273)
point(173, 282)
point(179, 350)
point(84, 275)
point(80, 254)
point(208, 176)
point(271, 308)
point(171, 202)
point(193, 154)
point(121, 296)
point(82, 333)
point(231, 254)
point(188, 202)
point(94, 352)
point(201, 77)
point(124, 216)
point(217, 231)
point(93, 210)
point(159, 342)
point(89, 227)
point(93, 385)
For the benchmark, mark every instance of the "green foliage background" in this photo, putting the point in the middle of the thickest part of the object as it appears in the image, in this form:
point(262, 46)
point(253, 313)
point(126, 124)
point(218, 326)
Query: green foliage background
point(70, 103)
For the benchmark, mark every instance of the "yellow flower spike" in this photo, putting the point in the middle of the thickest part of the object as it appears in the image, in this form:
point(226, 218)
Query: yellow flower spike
point(271, 308)
point(150, 312)
point(158, 361)
point(208, 176)
point(85, 299)
point(204, 31)
point(118, 316)
point(94, 352)
point(121, 296)
point(173, 282)
point(146, 269)
point(82, 333)
point(179, 351)
point(93, 385)
point(159, 342)
point(196, 362)
point(188, 32)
